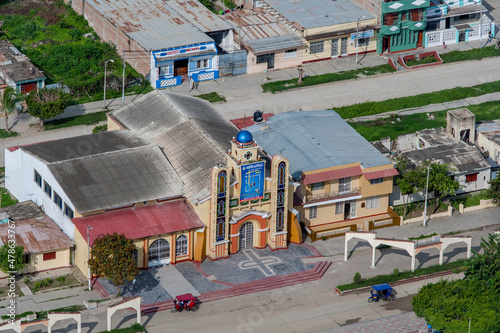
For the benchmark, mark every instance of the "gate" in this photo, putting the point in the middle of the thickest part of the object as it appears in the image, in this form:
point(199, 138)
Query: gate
point(335, 48)
point(233, 63)
point(343, 47)
point(246, 236)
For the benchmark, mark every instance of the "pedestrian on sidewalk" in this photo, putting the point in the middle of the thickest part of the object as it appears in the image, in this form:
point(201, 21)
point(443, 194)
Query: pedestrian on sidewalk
point(489, 37)
point(444, 45)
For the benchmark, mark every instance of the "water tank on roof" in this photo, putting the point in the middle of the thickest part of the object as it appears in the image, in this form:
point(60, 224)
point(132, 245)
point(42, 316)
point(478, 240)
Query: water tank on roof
point(258, 116)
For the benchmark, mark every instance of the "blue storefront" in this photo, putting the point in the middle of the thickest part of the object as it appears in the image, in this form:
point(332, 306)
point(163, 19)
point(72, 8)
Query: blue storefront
point(172, 66)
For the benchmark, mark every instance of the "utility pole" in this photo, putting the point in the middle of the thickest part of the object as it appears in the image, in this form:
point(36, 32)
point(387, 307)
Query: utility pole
point(426, 192)
point(123, 80)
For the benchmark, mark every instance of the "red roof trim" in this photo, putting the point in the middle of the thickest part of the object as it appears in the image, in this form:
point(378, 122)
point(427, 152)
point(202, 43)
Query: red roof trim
point(332, 174)
point(141, 222)
point(381, 174)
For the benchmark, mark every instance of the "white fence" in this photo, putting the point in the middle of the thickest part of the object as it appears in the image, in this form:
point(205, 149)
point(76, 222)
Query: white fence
point(436, 38)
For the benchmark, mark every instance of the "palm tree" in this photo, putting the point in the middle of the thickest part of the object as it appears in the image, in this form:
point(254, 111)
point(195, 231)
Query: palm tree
point(9, 101)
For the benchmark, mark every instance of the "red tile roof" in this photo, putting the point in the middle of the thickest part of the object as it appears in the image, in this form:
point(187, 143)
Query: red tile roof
point(244, 122)
point(381, 174)
point(141, 222)
point(332, 174)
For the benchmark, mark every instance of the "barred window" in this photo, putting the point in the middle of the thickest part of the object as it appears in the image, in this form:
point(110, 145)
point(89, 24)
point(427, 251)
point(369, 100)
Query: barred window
point(313, 212)
point(376, 181)
point(181, 246)
point(317, 47)
point(373, 202)
point(317, 186)
point(339, 208)
point(363, 41)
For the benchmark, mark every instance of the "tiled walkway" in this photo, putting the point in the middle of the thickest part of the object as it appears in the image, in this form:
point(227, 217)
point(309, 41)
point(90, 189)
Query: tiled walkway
point(403, 323)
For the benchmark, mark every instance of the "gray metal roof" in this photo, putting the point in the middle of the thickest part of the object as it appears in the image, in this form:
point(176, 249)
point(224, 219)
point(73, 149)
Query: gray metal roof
point(319, 13)
point(261, 32)
point(154, 24)
point(23, 211)
point(266, 45)
point(117, 178)
point(490, 129)
point(199, 15)
point(84, 145)
point(193, 135)
point(16, 65)
point(315, 140)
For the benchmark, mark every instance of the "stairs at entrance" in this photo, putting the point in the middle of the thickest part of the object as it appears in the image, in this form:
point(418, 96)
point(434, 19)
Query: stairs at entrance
point(274, 282)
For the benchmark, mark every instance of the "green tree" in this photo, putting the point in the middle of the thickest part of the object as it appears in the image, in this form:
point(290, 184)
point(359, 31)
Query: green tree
point(439, 181)
point(10, 100)
point(485, 267)
point(494, 190)
point(11, 258)
point(47, 103)
point(113, 258)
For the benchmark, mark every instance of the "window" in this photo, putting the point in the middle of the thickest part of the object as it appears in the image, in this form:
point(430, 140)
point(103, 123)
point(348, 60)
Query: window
point(290, 53)
point(373, 202)
point(471, 178)
point(58, 200)
point(262, 58)
point(49, 256)
point(164, 70)
point(363, 41)
point(339, 208)
point(202, 63)
point(317, 47)
point(68, 211)
point(376, 181)
point(345, 185)
point(181, 246)
point(48, 189)
point(220, 230)
point(317, 186)
point(38, 179)
point(26, 258)
point(313, 212)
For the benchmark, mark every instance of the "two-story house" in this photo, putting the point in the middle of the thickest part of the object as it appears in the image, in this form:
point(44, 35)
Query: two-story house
point(343, 183)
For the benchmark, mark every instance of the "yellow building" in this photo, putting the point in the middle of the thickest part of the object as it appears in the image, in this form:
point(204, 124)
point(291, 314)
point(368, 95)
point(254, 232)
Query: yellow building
point(45, 246)
point(344, 181)
point(330, 28)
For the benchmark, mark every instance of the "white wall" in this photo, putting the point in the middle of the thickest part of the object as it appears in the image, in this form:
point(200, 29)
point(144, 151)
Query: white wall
point(19, 180)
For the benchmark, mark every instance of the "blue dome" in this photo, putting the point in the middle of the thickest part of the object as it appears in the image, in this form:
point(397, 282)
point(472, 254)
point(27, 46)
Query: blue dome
point(244, 137)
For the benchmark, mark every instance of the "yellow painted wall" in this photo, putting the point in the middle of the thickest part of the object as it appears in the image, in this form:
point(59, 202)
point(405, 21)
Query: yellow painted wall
point(280, 61)
point(81, 253)
point(112, 126)
point(37, 264)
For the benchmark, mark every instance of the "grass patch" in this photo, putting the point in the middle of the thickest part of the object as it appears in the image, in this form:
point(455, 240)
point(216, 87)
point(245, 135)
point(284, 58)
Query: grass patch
point(71, 308)
point(212, 97)
point(7, 198)
point(86, 119)
point(474, 54)
point(24, 314)
point(403, 275)
point(66, 281)
point(98, 300)
point(276, 86)
point(6, 134)
point(132, 329)
point(470, 200)
point(392, 127)
point(395, 104)
point(423, 61)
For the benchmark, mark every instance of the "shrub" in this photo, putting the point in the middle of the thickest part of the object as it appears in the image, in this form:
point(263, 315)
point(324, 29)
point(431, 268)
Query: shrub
point(48, 281)
point(37, 285)
point(27, 279)
point(395, 272)
point(61, 278)
point(100, 128)
point(357, 278)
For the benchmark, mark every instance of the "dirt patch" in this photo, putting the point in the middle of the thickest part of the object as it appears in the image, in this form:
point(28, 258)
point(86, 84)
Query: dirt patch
point(45, 9)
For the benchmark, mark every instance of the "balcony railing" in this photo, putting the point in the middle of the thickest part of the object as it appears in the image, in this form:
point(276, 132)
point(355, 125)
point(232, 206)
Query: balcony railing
point(353, 191)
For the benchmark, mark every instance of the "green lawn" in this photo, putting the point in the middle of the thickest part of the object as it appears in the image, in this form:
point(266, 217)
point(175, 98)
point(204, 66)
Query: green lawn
point(7, 199)
point(395, 104)
point(212, 97)
point(391, 127)
point(325, 78)
point(6, 134)
point(474, 54)
point(86, 119)
point(134, 328)
point(455, 265)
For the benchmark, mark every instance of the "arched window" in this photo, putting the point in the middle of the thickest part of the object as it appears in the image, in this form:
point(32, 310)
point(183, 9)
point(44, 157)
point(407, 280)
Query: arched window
point(222, 184)
point(220, 230)
point(281, 175)
point(181, 246)
point(281, 197)
point(279, 220)
point(221, 208)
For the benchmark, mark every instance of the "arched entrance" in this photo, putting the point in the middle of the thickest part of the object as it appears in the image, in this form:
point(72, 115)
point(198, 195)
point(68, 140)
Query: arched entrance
point(159, 253)
point(246, 236)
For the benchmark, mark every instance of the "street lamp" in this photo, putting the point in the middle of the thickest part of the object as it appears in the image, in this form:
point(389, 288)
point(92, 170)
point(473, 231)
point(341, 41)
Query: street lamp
point(88, 253)
point(357, 37)
point(426, 191)
point(110, 60)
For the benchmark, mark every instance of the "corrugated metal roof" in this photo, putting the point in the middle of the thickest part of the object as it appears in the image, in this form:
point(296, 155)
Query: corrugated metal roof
point(490, 129)
point(154, 24)
point(37, 235)
point(319, 13)
point(193, 135)
point(262, 32)
point(199, 15)
point(23, 211)
point(332, 174)
point(141, 222)
point(315, 140)
point(117, 178)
